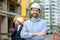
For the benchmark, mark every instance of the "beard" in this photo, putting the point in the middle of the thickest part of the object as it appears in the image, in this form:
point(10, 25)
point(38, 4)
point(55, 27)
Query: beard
point(35, 15)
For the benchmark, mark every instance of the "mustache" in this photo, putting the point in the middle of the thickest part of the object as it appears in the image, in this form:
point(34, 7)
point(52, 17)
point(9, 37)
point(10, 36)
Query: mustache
point(34, 13)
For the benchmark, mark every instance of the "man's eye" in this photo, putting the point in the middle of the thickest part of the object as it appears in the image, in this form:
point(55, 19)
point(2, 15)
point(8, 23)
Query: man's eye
point(33, 10)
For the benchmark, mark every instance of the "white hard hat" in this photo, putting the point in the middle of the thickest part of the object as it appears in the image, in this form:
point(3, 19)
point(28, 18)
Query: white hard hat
point(20, 20)
point(35, 5)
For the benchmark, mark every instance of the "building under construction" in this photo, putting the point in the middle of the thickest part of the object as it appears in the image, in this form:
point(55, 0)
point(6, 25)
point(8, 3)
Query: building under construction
point(8, 10)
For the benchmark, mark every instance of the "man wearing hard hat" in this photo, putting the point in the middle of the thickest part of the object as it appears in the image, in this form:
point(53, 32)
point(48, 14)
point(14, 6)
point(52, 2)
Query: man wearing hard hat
point(16, 34)
point(35, 28)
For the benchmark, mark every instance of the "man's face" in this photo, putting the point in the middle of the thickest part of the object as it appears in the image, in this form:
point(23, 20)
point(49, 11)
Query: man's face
point(34, 12)
point(16, 23)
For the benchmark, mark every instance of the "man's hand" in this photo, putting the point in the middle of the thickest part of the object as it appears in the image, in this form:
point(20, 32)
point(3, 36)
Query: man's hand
point(34, 34)
point(39, 34)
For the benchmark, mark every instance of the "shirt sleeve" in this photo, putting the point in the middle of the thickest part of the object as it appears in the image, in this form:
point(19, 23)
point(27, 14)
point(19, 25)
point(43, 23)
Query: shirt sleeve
point(25, 34)
point(44, 28)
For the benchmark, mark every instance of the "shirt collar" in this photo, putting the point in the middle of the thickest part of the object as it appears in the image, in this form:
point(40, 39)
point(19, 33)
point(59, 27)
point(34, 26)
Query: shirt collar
point(19, 26)
point(38, 19)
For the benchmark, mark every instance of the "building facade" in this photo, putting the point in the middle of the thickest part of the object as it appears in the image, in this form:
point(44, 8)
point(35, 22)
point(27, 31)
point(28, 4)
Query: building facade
point(59, 13)
point(51, 11)
point(8, 10)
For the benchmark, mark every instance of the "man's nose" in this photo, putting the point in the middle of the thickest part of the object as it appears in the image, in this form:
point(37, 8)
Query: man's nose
point(35, 11)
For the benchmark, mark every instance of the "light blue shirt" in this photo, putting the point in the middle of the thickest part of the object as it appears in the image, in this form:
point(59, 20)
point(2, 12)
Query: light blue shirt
point(32, 27)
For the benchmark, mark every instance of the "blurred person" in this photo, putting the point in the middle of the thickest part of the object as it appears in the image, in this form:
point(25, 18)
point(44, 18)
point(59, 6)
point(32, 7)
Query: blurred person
point(16, 33)
point(35, 28)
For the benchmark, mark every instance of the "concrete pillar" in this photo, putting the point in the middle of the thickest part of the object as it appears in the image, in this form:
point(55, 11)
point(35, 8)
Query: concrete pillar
point(5, 5)
point(4, 26)
point(0, 25)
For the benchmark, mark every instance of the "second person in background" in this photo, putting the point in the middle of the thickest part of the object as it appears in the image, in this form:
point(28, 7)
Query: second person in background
point(16, 34)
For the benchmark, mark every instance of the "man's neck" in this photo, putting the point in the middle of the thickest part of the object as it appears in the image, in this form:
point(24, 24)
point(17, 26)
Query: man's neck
point(19, 25)
point(34, 18)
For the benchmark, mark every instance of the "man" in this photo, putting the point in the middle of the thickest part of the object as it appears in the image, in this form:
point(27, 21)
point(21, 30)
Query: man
point(16, 34)
point(35, 28)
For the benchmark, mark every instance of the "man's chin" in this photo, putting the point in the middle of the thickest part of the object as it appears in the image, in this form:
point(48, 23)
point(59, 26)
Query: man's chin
point(35, 16)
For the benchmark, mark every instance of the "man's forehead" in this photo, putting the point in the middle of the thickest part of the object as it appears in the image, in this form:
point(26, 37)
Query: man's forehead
point(35, 8)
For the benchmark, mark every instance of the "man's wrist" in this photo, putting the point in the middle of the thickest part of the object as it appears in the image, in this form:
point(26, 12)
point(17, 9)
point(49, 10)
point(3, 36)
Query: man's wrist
point(34, 34)
point(39, 34)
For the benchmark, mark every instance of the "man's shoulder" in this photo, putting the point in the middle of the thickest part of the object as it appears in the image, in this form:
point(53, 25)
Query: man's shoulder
point(27, 21)
point(43, 20)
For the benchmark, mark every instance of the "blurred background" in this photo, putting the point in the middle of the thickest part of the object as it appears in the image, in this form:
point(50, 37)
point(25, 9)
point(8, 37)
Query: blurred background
point(50, 11)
